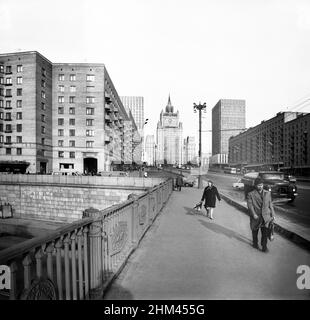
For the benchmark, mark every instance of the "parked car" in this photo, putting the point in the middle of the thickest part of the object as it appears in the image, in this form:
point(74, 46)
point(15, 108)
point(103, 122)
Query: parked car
point(189, 181)
point(274, 181)
point(239, 185)
point(290, 178)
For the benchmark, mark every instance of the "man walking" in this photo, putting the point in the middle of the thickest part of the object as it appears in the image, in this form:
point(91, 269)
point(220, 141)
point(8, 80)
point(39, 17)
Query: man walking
point(261, 213)
point(210, 194)
point(179, 182)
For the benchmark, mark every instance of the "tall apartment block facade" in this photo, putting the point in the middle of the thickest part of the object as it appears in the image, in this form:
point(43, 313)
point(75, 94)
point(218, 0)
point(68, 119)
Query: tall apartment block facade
point(26, 110)
point(189, 150)
point(280, 142)
point(135, 104)
point(64, 116)
point(228, 118)
point(169, 137)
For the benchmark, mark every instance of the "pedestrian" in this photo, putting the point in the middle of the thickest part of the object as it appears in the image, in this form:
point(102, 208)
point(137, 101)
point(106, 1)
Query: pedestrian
point(210, 194)
point(261, 213)
point(179, 182)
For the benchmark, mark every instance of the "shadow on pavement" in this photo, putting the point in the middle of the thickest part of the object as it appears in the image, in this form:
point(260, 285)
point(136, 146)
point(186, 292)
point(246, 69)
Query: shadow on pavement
point(192, 211)
point(225, 231)
point(117, 292)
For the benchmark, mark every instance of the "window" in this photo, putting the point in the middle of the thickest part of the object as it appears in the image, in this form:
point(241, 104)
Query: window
point(72, 154)
point(72, 77)
point(1, 92)
point(19, 116)
point(18, 103)
point(43, 71)
point(19, 68)
point(89, 122)
point(61, 77)
point(1, 80)
point(8, 69)
point(90, 100)
point(61, 110)
point(8, 80)
point(18, 151)
point(43, 129)
point(72, 122)
point(60, 154)
point(8, 151)
point(19, 92)
point(90, 89)
point(61, 121)
point(60, 143)
point(42, 94)
point(72, 132)
point(8, 128)
point(1, 127)
point(90, 133)
point(71, 143)
point(71, 110)
point(1, 103)
point(89, 144)
point(61, 88)
point(60, 132)
point(19, 80)
point(43, 141)
point(8, 116)
point(8, 104)
point(8, 92)
point(90, 77)
point(1, 139)
point(72, 88)
point(61, 99)
point(71, 99)
point(1, 115)
point(90, 111)
point(8, 139)
point(43, 83)
point(43, 118)
point(1, 68)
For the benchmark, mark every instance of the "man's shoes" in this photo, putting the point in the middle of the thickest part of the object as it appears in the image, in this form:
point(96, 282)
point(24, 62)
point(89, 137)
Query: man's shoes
point(265, 249)
point(255, 246)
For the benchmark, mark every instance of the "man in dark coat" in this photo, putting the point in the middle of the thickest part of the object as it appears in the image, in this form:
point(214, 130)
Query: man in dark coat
point(261, 213)
point(210, 194)
point(179, 182)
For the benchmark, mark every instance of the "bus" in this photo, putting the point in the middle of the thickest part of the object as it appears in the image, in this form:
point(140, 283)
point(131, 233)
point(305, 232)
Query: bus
point(230, 170)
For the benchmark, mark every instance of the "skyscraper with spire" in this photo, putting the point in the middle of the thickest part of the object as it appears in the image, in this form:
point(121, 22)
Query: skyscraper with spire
point(169, 136)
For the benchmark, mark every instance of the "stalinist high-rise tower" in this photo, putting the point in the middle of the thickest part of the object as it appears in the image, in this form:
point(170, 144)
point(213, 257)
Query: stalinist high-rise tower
point(169, 137)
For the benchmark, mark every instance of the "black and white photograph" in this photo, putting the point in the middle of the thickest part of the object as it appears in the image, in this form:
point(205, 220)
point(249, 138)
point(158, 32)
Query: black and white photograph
point(155, 151)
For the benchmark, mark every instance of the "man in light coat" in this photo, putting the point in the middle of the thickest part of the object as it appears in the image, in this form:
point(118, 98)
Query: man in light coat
point(261, 213)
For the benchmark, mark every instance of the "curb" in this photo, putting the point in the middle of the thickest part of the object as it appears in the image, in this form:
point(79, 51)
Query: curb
point(290, 235)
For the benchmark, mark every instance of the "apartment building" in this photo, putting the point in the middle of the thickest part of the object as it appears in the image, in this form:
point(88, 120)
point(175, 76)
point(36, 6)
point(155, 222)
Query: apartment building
point(60, 116)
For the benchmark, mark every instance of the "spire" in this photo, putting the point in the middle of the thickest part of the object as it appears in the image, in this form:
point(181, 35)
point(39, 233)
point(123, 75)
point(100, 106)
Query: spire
point(169, 107)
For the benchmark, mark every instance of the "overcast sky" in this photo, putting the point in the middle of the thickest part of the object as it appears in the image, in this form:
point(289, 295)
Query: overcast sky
point(197, 50)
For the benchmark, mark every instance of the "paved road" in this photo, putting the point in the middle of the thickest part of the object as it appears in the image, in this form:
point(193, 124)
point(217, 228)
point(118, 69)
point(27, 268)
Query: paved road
point(186, 256)
point(297, 212)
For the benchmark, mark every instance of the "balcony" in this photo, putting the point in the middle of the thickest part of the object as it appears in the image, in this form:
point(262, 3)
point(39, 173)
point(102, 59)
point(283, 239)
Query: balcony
point(8, 95)
point(8, 108)
point(7, 142)
point(8, 84)
point(107, 106)
point(107, 118)
point(8, 131)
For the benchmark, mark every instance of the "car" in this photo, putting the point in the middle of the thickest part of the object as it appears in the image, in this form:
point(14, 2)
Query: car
point(274, 181)
point(189, 181)
point(239, 185)
point(290, 178)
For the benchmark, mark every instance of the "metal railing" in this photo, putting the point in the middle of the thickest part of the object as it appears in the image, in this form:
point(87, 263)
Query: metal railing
point(80, 260)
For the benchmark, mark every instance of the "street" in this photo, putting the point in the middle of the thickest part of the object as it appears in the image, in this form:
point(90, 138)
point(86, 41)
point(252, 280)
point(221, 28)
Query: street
point(297, 212)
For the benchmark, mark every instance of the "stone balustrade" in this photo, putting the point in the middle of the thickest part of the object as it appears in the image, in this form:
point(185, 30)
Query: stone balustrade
point(80, 260)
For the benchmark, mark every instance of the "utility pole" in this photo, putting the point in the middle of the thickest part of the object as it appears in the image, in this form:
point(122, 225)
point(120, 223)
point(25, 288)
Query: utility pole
point(199, 107)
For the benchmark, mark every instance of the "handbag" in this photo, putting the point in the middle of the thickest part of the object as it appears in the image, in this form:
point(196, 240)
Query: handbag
point(270, 231)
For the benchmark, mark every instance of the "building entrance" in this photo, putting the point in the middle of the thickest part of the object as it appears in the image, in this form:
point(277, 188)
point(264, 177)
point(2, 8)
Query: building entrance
point(90, 166)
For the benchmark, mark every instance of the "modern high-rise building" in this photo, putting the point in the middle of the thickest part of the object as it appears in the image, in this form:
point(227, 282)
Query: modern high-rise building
point(136, 105)
point(228, 119)
point(280, 142)
point(169, 137)
point(60, 116)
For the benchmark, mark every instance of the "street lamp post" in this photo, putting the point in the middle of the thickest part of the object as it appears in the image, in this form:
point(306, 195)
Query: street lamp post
point(199, 107)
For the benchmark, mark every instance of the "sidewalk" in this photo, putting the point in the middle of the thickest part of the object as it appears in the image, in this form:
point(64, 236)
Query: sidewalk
point(188, 256)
